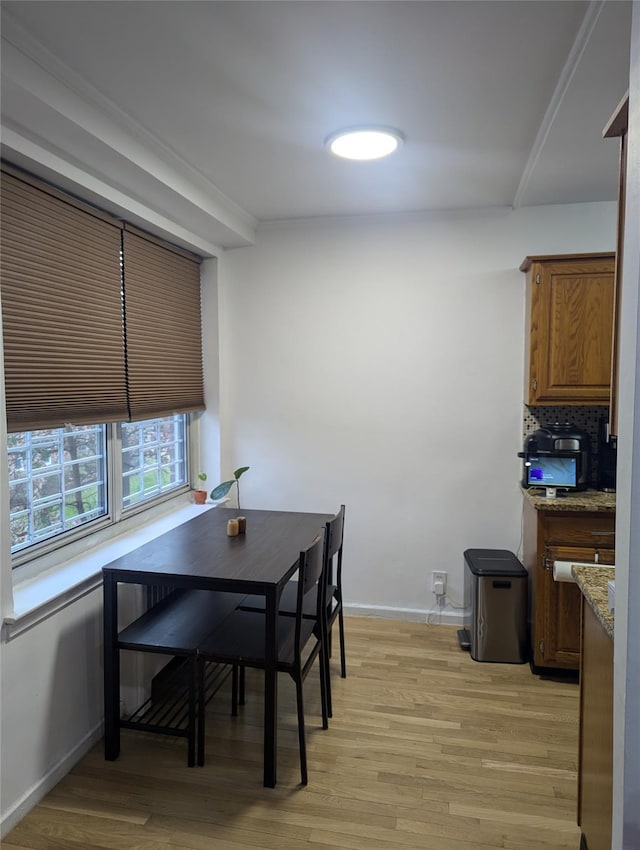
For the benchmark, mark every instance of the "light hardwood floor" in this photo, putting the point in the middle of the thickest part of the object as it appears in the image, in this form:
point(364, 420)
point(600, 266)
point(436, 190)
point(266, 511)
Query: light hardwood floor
point(426, 749)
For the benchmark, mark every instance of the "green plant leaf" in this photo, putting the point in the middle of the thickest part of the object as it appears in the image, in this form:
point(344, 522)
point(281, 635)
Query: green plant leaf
point(222, 489)
point(202, 476)
point(239, 472)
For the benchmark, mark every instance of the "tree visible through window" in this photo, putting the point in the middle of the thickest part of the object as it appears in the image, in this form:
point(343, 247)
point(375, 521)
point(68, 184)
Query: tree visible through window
point(58, 477)
point(57, 481)
point(153, 458)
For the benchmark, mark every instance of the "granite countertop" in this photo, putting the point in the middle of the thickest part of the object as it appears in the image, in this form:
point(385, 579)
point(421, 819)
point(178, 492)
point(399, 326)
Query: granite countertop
point(592, 581)
point(583, 500)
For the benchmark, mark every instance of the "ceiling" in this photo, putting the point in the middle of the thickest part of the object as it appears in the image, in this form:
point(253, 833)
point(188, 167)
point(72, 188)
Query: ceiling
point(208, 119)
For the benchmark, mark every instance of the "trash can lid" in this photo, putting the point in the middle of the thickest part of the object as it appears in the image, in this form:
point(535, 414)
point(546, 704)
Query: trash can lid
point(493, 562)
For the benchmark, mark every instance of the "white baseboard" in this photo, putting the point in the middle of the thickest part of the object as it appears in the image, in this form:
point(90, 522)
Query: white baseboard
point(32, 797)
point(446, 617)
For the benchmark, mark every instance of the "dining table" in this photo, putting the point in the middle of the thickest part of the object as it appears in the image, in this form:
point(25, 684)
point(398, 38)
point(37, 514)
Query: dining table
point(200, 554)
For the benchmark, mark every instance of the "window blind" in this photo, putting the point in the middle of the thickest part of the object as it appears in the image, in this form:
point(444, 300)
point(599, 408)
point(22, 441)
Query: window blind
point(163, 328)
point(98, 325)
point(61, 310)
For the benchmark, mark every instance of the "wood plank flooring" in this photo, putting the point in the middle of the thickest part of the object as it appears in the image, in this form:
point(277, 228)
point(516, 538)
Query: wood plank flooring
point(426, 749)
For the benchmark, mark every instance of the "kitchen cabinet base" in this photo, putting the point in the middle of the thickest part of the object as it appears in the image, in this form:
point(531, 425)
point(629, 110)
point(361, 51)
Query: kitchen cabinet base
point(567, 536)
point(595, 749)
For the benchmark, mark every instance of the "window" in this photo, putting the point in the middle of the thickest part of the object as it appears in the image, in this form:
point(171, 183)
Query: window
point(57, 481)
point(59, 477)
point(153, 458)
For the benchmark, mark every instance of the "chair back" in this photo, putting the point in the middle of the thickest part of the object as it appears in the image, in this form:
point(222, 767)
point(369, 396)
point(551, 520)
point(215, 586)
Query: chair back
point(311, 564)
point(310, 571)
point(333, 536)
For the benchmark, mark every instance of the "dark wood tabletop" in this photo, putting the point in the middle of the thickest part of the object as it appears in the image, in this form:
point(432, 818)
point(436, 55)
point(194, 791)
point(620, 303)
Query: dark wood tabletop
point(201, 552)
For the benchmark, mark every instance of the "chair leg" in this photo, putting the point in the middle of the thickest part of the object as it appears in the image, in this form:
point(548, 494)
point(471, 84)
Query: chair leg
point(327, 675)
point(324, 660)
point(343, 661)
point(323, 689)
point(202, 706)
point(301, 731)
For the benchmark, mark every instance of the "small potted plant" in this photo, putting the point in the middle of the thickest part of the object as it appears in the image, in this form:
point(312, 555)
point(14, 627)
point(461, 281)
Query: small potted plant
point(221, 490)
point(200, 496)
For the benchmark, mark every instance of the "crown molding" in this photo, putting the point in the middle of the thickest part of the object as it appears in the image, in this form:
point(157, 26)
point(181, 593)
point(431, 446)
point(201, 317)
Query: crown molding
point(578, 47)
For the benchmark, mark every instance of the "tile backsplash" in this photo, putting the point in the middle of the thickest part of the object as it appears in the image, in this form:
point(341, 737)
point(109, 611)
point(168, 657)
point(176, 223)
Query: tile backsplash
point(585, 418)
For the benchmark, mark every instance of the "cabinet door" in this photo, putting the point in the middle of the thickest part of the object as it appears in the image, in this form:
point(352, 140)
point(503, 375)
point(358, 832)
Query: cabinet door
point(571, 329)
point(595, 760)
point(561, 629)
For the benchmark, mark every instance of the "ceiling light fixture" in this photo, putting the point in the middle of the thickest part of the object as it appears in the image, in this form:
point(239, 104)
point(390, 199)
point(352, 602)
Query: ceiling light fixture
point(364, 142)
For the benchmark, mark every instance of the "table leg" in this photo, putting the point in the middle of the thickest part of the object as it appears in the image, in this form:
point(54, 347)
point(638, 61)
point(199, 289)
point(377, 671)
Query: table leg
point(111, 669)
point(270, 689)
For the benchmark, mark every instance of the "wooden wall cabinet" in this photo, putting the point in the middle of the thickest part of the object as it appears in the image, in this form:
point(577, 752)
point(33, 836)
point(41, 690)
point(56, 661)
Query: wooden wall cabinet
point(570, 310)
point(555, 606)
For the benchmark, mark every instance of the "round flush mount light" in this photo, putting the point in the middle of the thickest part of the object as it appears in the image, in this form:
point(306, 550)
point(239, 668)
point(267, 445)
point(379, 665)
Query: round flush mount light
point(364, 143)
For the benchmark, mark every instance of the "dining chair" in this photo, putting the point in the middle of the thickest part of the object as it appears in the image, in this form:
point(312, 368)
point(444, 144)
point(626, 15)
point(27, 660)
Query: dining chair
point(176, 626)
point(333, 545)
point(239, 640)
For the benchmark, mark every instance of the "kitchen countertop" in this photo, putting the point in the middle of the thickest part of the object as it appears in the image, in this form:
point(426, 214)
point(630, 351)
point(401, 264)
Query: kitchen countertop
point(592, 581)
point(583, 500)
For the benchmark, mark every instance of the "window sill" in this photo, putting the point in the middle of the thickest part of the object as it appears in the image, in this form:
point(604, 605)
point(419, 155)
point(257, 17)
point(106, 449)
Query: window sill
point(35, 599)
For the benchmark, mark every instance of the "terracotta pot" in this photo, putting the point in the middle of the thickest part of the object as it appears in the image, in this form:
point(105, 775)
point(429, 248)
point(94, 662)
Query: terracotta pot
point(199, 497)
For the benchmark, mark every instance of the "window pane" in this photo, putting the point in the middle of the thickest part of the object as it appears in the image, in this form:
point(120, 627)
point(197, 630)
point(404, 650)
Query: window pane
point(57, 481)
point(154, 456)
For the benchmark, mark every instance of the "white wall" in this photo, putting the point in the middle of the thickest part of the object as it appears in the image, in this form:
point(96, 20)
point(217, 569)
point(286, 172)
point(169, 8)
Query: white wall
point(626, 744)
point(209, 420)
point(51, 685)
point(380, 364)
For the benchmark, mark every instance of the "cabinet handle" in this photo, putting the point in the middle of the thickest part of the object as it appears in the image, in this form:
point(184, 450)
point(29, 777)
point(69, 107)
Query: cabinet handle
point(602, 533)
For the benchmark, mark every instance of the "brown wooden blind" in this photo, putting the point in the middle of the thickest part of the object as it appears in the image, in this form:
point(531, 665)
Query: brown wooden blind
point(163, 329)
point(61, 310)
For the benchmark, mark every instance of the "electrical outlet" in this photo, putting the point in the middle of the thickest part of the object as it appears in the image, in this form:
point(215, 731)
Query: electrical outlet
point(439, 582)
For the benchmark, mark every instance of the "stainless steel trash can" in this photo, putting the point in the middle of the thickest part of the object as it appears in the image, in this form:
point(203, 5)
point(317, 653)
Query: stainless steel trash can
point(495, 584)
